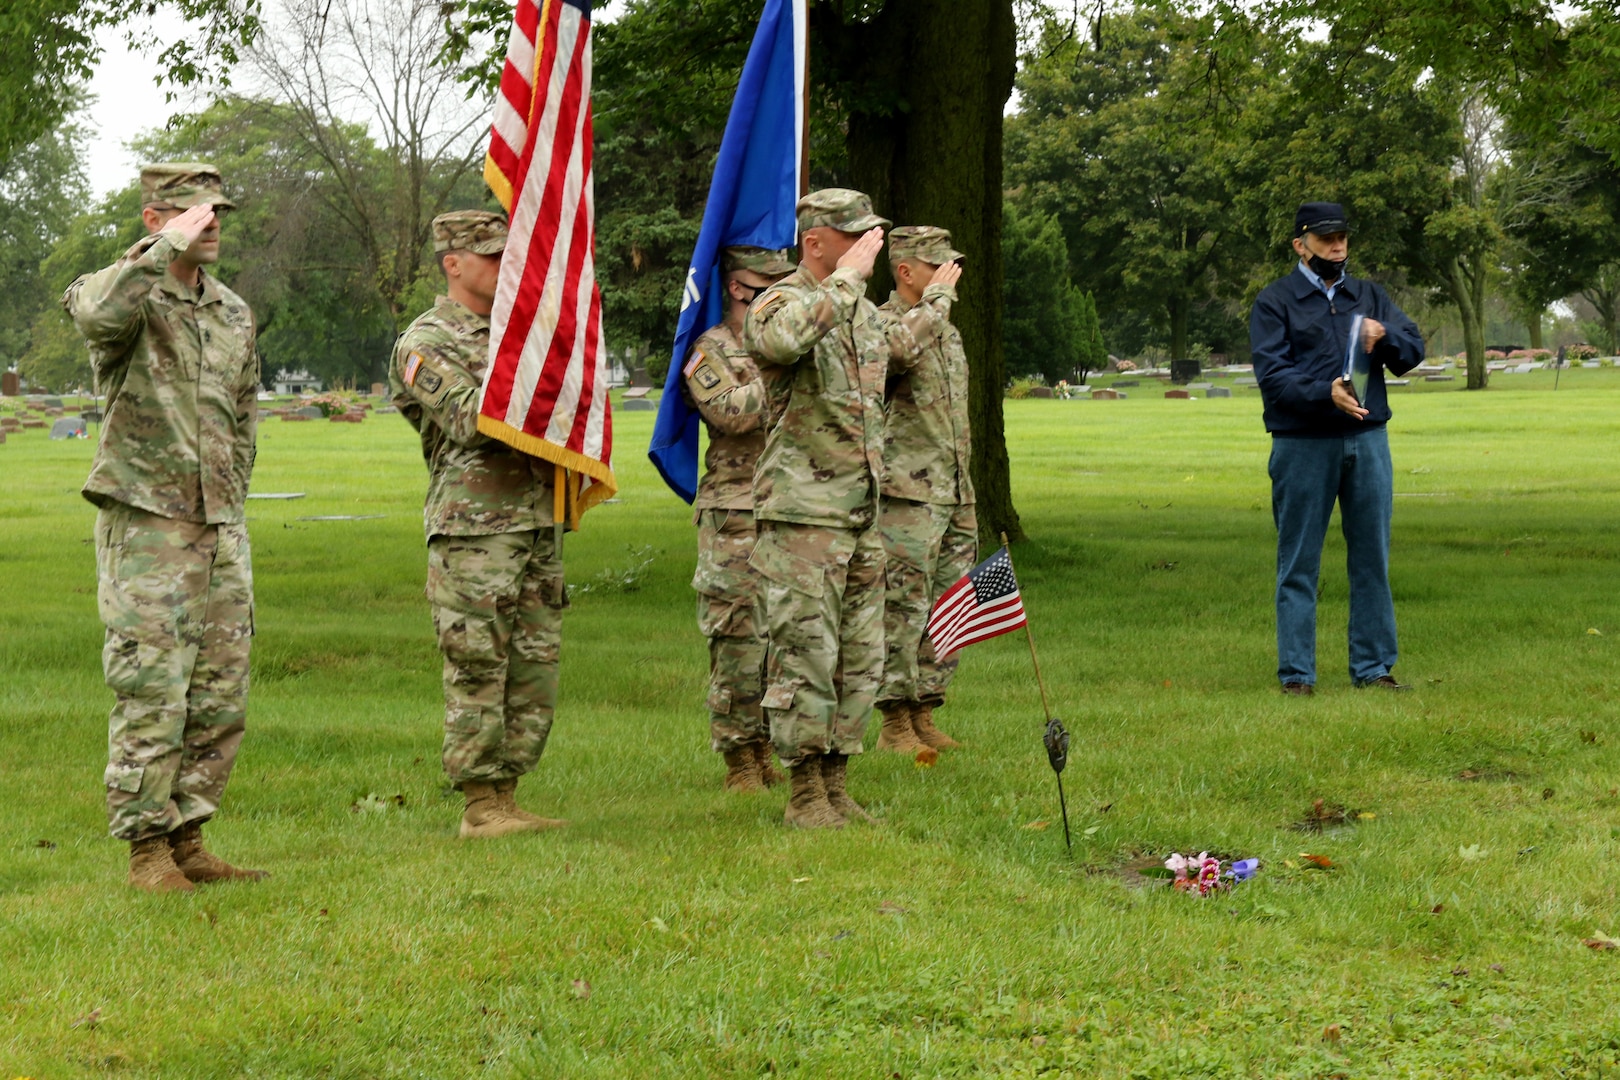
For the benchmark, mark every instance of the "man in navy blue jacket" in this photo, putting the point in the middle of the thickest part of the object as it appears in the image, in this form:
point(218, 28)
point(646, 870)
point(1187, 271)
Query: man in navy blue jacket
point(1326, 445)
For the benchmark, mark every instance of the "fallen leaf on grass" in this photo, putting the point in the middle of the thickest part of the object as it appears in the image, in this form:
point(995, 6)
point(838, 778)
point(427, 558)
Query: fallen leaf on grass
point(1547, 793)
point(48, 845)
point(1038, 826)
point(582, 989)
point(1437, 909)
point(658, 924)
point(89, 1019)
point(1471, 853)
point(376, 804)
point(800, 880)
point(1105, 807)
point(1497, 968)
point(1321, 862)
point(1594, 631)
point(1167, 684)
point(926, 758)
point(1459, 971)
point(1589, 737)
point(1366, 815)
point(1331, 1033)
point(1469, 774)
point(1601, 942)
point(1093, 831)
point(889, 907)
point(1037, 1040)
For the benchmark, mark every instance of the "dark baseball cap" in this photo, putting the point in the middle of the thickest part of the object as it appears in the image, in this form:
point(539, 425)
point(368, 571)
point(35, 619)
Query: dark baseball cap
point(1321, 218)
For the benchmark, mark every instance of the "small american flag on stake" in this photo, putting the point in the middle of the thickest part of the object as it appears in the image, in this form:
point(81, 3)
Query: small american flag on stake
point(545, 391)
point(983, 605)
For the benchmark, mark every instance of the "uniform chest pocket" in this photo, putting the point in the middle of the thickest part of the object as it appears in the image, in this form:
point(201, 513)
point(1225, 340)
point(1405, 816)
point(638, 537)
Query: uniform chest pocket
point(223, 352)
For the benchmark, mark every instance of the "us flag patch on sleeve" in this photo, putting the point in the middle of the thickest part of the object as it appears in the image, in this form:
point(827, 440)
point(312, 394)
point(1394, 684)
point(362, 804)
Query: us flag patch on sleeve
point(691, 365)
point(412, 367)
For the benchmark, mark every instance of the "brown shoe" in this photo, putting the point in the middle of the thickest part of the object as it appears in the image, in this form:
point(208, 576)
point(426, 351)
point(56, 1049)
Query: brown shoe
point(152, 869)
point(200, 865)
point(742, 770)
point(506, 792)
point(833, 768)
point(807, 806)
point(768, 772)
point(922, 722)
point(1383, 682)
point(897, 733)
point(1298, 689)
point(486, 815)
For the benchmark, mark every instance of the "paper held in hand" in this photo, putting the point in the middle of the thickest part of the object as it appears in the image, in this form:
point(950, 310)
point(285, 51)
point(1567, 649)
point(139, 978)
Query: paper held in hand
point(1357, 361)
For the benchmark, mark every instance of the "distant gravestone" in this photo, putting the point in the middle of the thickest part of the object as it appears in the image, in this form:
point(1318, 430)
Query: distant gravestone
point(1218, 391)
point(1591, 363)
point(1181, 395)
point(9, 423)
point(1105, 395)
point(90, 416)
point(292, 416)
point(309, 412)
point(10, 385)
point(379, 389)
point(1127, 382)
point(1199, 385)
point(637, 392)
point(639, 404)
point(1439, 378)
point(69, 427)
point(1397, 382)
point(52, 403)
point(1246, 382)
point(386, 410)
point(1040, 391)
point(1185, 371)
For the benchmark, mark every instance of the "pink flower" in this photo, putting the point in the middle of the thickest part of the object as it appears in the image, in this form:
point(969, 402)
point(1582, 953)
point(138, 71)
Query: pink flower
point(1180, 864)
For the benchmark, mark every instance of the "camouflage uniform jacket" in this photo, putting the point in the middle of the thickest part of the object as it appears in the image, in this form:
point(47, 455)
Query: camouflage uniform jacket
point(724, 384)
point(477, 486)
point(826, 353)
point(181, 377)
point(926, 447)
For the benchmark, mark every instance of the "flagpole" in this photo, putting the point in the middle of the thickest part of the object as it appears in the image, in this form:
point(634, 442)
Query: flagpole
point(1056, 738)
point(1029, 636)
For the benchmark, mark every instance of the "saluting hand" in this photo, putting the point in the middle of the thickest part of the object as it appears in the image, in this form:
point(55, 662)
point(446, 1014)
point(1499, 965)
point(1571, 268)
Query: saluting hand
point(192, 222)
point(946, 274)
point(862, 254)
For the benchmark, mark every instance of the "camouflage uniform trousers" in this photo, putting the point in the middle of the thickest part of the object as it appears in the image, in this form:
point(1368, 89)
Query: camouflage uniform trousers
point(728, 615)
point(823, 602)
point(497, 608)
point(929, 548)
point(177, 601)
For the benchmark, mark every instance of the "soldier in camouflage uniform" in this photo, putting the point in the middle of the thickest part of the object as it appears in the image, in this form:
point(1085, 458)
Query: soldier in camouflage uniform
point(495, 576)
point(825, 352)
point(723, 383)
point(173, 350)
point(930, 533)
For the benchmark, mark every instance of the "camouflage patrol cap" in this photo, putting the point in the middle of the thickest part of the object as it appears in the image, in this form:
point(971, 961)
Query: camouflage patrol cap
point(183, 184)
point(925, 243)
point(767, 261)
point(838, 208)
point(478, 231)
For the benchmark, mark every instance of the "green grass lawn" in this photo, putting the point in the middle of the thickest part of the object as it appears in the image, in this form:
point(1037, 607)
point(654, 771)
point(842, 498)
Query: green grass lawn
point(677, 931)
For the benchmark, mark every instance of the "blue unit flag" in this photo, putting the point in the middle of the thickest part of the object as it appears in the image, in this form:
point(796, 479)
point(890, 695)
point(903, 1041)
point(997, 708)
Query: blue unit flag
point(757, 179)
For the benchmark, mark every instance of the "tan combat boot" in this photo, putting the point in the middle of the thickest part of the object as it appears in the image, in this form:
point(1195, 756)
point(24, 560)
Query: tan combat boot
point(201, 865)
point(922, 721)
point(897, 734)
point(742, 770)
point(485, 817)
point(833, 768)
point(152, 869)
point(768, 772)
point(506, 793)
point(807, 806)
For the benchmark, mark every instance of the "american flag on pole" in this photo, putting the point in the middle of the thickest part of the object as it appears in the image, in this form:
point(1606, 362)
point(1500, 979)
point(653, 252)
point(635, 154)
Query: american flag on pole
point(984, 604)
point(546, 389)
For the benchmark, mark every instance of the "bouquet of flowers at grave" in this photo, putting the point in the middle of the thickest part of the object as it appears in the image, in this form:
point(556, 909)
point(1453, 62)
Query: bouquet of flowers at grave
point(332, 403)
point(1201, 874)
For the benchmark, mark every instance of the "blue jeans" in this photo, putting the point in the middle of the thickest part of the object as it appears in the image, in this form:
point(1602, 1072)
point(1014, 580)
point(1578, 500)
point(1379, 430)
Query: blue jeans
point(1307, 475)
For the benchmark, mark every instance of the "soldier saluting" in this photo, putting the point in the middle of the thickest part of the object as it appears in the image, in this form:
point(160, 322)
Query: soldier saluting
point(724, 384)
point(495, 576)
point(174, 351)
point(930, 531)
point(826, 353)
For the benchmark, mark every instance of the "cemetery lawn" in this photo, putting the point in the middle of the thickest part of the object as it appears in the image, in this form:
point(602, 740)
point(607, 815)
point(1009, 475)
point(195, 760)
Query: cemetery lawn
point(675, 931)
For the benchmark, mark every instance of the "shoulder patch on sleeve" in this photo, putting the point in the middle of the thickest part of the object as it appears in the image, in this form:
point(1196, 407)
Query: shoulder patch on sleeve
point(426, 378)
point(697, 357)
point(708, 376)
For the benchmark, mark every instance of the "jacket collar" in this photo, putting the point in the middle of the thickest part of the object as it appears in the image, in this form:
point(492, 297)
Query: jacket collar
point(210, 290)
point(1304, 286)
point(455, 310)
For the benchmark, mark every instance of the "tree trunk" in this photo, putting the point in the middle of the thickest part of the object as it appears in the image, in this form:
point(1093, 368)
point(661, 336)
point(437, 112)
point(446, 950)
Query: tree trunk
point(1177, 308)
point(927, 82)
point(1461, 286)
point(1534, 324)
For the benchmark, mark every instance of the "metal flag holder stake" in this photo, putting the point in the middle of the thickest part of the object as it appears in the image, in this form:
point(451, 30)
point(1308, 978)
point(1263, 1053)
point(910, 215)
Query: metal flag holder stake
point(1056, 737)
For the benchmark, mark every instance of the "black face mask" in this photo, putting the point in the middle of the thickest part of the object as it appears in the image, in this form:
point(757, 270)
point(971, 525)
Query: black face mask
point(1329, 270)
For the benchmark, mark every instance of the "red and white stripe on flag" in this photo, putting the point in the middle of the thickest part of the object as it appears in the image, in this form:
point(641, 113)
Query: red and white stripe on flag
point(546, 387)
point(984, 604)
